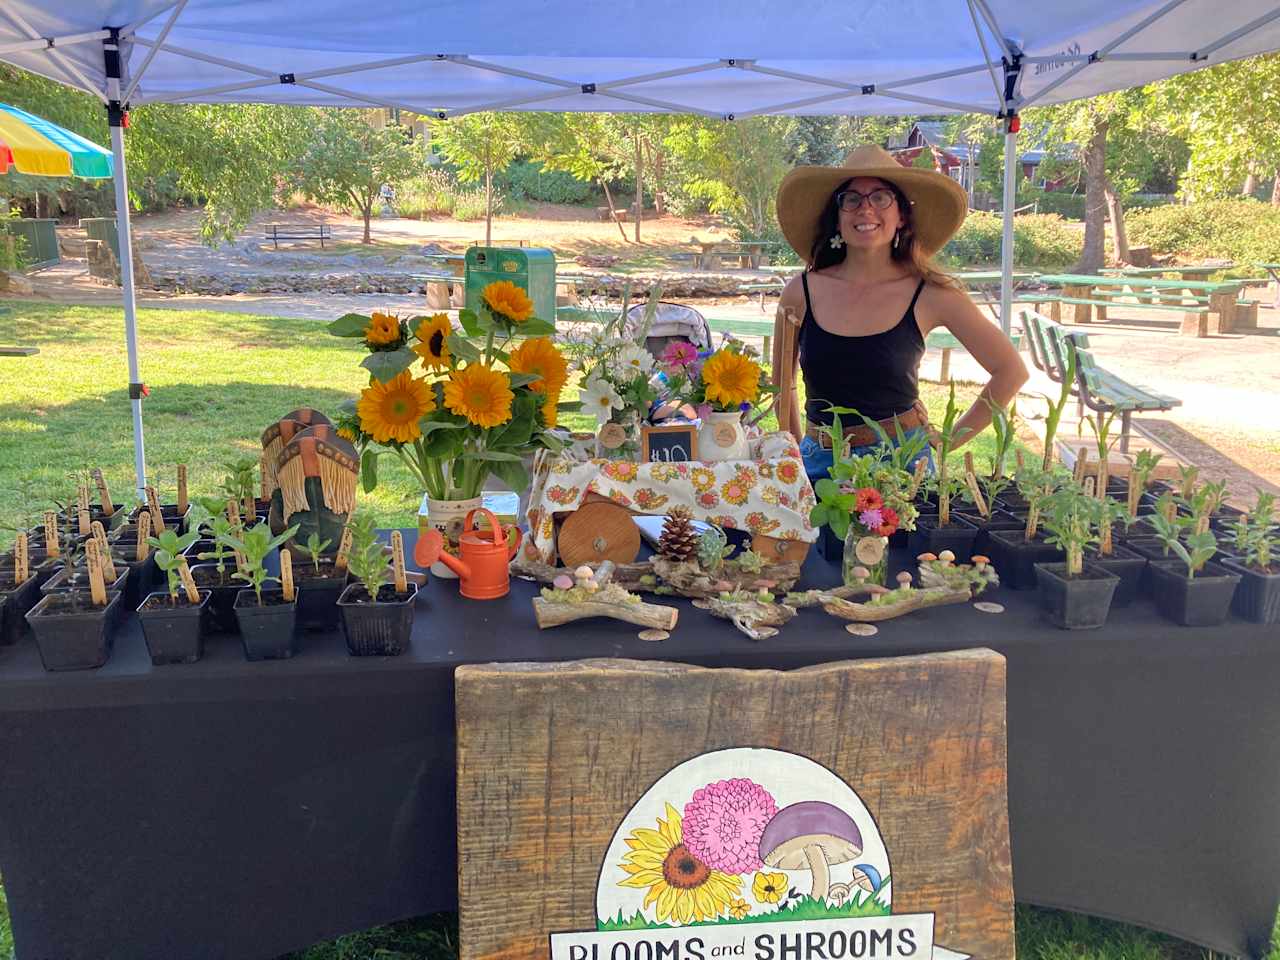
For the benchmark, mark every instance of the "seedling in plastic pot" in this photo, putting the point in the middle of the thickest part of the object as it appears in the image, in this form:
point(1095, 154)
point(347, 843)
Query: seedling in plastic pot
point(1053, 415)
point(1144, 465)
point(1073, 520)
point(1169, 530)
point(1199, 550)
point(1187, 476)
point(1101, 427)
point(314, 549)
point(366, 559)
point(948, 434)
point(254, 544)
point(170, 556)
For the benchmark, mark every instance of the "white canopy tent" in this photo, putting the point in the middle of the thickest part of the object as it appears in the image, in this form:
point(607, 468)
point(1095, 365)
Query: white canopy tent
point(728, 59)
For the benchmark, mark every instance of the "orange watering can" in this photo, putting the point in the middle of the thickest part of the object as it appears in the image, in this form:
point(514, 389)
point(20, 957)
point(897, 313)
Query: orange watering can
point(482, 569)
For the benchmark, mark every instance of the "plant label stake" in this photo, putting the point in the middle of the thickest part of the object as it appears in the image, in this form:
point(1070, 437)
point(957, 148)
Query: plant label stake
point(52, 545)
point(233, 512)
point(21, 566)
point(1135, 491)
point(250, 509)
point(344, 549)
point(263, 473)
point(82, 521)
point(286, 575)
point(971, 480)
point(104, 495)
point(82, 497)
point(97, 587)
point(1018, 458)
point(104, 551)
point(153, 504)
point(917, 478)
point(188, 582)
point(182, 488)
point(144, 532)
point(1090, 486)
point(1082, 462)
point(397, 561)
point(241, 561)
point(1170, 509)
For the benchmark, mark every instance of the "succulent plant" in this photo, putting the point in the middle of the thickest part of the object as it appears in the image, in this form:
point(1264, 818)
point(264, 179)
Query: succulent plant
point(713, 547)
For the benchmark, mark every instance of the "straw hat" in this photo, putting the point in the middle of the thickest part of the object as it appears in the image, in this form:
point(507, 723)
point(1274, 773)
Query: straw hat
point(938, 203)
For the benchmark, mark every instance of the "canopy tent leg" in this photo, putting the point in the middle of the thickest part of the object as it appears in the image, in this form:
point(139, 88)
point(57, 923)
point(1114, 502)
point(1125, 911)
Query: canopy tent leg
point(1006, 241)
point(125, 236)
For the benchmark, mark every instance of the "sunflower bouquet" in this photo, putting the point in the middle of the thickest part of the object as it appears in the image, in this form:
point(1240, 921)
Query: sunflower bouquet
point(723, 381)
point(456, 406)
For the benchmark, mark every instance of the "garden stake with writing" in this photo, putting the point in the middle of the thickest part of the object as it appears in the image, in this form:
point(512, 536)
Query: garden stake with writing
point(971, 480)
point(233, 512)
point(52, 541)
point(21, 564)
point(182, 488)
point(397, 561)
point(97, 587)
point(917, 477)
point(104, 495)
point(188, 582)
point(143, 549)
point(153, 505)
point(104, 551)
point(1187, 474)
point(1081, 467)
point(82, 497)
point(344, 549)
point(1053, 416)
point(82, 522)
point(286, 575)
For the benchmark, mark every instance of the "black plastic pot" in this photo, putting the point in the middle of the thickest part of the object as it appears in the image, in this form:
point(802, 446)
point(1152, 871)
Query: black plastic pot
point(220, 614)
point(174, 632)
point(38, 562)
point(318, 595)
point(1201, 601)
point(999, 520)
point(173, 517)
point(1125, 564)
point(1081, 602)
point(929, 537)
point(267, 630)
point(1015, 559)
point(379, 629)
point(14, 604)
point(71, 633)
point(1140, 529)
point(1153, 549)
point(1257, 598)
point(77, 579)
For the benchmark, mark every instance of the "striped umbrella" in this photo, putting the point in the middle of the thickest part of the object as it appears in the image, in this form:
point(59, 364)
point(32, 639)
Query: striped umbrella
point(35, 146)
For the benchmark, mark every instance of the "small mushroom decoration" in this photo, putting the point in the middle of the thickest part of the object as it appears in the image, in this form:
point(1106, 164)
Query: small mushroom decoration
point(811, 835)
point(980, 562)
point(927, 558)
point(585, 577)
point(860, 574)
point(563, 582)
point(904, 580)
point(947, 557)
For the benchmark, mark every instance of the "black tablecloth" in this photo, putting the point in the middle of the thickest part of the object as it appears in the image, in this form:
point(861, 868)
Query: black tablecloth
point(234, 809)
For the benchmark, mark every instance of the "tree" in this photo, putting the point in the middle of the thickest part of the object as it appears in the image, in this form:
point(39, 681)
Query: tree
point(346, 160)
point(479, 144)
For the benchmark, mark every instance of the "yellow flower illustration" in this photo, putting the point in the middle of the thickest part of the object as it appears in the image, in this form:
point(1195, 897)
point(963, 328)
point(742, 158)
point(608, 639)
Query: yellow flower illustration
point(739, 908)
point(389, 412)
point(433, 332)
point(683, 887)
point(731, 379)
point(769, 887)
point(382, 329)
point(703, 479)
point(505, 298)
point(539, 356)
point(481, 395)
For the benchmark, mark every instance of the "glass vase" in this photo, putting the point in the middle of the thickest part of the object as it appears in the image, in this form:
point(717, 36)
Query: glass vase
point(865, 550)
point(619, 438)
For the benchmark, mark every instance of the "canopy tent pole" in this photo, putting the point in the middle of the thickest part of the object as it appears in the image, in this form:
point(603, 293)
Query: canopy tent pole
point(117, 119)
point(1006, 240)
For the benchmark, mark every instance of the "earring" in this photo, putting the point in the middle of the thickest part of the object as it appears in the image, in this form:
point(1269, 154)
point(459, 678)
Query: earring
point(897, 236)
point(837, 242)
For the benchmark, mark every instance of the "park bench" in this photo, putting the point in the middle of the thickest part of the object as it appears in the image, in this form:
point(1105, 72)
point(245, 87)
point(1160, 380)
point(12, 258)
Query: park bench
point(276, 232)
point(1095, 388)
point(18, 351)
point(1206, 307)
point(750, 254)
point(443, 290)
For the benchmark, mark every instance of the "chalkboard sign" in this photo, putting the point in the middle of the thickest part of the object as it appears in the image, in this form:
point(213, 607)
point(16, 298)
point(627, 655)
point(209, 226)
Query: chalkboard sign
point(669, 443)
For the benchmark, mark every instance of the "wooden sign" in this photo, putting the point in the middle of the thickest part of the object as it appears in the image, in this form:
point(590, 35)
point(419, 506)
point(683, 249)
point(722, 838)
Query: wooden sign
point(729, 824)
point(669, 443)
point(104, 494)
point(52, 541)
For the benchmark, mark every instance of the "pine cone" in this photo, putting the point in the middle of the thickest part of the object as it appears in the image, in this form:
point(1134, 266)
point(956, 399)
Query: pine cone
point(679, 541)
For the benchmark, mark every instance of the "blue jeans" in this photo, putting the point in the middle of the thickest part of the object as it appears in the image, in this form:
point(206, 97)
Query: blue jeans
point(817, 461)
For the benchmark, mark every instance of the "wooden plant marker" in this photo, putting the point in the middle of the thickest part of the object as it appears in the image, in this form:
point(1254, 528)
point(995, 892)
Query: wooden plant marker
point(153, 505)
point(188, 582)
point(250, 509)
point(82, 497)
point(971, 480)
point(182, 488)
point(264, 472)
point(21, 561)
point(97, 586)
point(104, 495)
point(344, 550)
point(82, 522)
point(917, 478)
point(397, 562)
point(52, 542)
point(242, 562)
point(286, 575)
point(104, 551)
point(1081, 464)
point(932, 777)
point(1135, 493)
point(1018, 458)
point(144, 532)
point(1170, 510)
point(233, 512)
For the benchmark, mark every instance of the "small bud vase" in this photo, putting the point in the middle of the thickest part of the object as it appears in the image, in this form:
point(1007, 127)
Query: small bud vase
point(721, 437)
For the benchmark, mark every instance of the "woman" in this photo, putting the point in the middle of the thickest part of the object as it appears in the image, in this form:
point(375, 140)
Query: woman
point(856, 320)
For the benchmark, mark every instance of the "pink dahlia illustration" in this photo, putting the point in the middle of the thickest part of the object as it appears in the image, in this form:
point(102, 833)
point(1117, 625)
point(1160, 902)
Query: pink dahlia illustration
point(723, 823)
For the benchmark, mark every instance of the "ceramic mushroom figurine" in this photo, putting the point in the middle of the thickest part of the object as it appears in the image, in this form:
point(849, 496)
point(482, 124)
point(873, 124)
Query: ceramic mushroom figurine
point(811, 835)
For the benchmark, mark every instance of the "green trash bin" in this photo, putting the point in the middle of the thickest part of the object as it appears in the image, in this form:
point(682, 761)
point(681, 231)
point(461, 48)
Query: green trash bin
point(532, 269)
point(40, 240)
point(104, 229)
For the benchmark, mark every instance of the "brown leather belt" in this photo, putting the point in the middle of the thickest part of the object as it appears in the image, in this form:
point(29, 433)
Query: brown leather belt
point(863, 436)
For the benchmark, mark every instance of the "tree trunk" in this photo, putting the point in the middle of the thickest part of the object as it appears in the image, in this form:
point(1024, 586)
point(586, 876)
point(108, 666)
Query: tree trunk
point(639, 184)
point(367, 213)
point(1095, 175)
point(659, 188)
point(1275, 190)
point(1250, 182)
point(488, 206)
point(1116, 213)
point(613, 212)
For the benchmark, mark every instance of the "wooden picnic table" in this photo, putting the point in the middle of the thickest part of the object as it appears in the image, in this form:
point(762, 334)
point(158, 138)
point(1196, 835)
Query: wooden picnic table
point(1273, 270)
point(1086, 290)
point(750, 253)
point(455, 262)
point(1184, 272)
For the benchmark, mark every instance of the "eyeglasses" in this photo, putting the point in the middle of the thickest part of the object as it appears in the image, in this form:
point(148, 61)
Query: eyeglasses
point(850, 200)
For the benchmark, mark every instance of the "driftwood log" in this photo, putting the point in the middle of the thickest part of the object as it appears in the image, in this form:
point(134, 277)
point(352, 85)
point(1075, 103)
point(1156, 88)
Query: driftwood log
point(918, 600)
point(757, 620)
point(549, 613)
point(685, 579)
point(816, 598)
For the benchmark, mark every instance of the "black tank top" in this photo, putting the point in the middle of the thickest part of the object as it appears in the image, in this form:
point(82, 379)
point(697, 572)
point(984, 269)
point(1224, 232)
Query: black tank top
point(877, 375)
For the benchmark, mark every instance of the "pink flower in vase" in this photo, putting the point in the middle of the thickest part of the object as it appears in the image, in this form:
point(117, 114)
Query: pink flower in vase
point(724, 821)
point(871, 519)
point(704, 411)
point(680, 353)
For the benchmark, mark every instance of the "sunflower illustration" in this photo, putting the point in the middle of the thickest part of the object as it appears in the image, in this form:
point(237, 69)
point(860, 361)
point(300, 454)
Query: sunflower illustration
point(539, 357)
point(683, 887)
point(383, 329)
point(769, 887)
point(389, 412)
point(481, 395)
point(505, 299)
point(433, 348)
point(731, 379)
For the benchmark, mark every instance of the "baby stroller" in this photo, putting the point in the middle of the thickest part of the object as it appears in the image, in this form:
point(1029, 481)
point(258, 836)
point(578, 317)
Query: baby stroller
point(669, 323)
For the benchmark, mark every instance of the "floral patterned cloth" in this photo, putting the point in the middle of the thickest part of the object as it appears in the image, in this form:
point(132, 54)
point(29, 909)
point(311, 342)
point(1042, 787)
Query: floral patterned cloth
point(768, 494)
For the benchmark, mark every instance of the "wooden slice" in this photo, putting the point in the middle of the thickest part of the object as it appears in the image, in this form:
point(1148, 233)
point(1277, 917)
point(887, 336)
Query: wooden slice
point(596, 532)
point(780, 551)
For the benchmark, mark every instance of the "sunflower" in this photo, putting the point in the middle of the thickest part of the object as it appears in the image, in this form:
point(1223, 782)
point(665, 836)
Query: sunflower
point(389, 412)
point(383, 329)
point(433, 332)
point(540, 357)
point(481, 395)
point(348, 434)
point(507, 300)
point(550, 411)
point(684, 888)
point(731, 379)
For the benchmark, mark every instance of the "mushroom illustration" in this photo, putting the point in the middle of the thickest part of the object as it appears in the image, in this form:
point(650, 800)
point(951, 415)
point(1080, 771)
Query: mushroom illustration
point(867, 877)
point(811, 835)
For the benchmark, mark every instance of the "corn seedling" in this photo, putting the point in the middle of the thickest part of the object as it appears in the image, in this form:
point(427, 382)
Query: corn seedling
point(1053, 415)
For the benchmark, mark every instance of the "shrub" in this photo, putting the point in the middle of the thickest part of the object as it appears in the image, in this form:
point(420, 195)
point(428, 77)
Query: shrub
point(469, 204)
point(1042, 241)
point(428, 195)
point(1240, 230)
point(527, 180)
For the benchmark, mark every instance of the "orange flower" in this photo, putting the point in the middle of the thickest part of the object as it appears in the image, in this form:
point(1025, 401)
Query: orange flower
point(539, 357)
point(507, 300)
point(481, 395)
point(382, 329)
point(389, 412)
